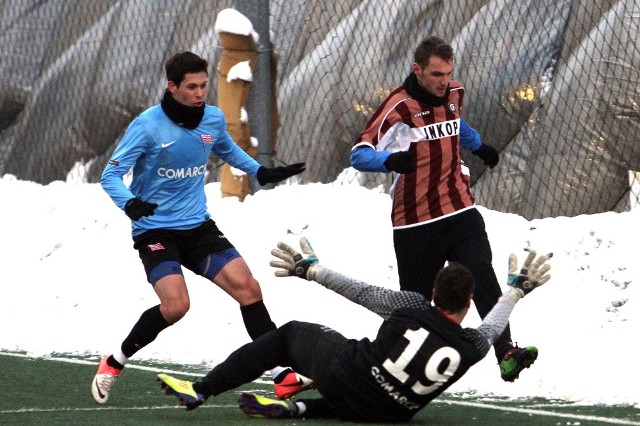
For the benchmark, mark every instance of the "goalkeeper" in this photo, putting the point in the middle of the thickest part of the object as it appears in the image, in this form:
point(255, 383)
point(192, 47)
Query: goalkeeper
point(420, 349)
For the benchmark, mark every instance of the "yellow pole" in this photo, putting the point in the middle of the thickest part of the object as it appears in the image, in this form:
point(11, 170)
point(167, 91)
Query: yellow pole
point(237, 50)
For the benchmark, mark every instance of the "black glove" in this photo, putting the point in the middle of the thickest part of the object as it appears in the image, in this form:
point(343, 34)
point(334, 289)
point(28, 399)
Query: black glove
point(136, 208)
point(267, 175)
point(400, 162)
point(488, 154)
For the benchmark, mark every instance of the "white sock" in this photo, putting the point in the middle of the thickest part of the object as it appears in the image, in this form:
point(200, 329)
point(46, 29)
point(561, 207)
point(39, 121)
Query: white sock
point(301, 408)
point(275, 372)
point(120, 357)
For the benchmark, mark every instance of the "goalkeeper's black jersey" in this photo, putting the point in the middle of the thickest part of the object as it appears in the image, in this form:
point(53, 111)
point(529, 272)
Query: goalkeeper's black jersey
point(416, 355)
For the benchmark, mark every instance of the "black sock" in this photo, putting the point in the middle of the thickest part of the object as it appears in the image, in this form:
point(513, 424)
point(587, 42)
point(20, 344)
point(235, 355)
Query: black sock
point(200, 388)
point(256, 319)
point(150, 324)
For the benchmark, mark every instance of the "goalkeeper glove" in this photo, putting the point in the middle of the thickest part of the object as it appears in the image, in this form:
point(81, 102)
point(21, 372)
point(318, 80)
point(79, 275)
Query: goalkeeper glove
point(292, 263)
point(532, 275)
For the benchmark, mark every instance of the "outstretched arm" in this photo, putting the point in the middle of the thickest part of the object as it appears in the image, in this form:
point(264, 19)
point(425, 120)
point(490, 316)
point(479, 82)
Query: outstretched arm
point(532, 275)
point(227, 150)
point(379, 300)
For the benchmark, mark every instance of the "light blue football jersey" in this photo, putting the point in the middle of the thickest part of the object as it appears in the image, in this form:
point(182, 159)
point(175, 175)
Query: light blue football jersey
point(169, 164)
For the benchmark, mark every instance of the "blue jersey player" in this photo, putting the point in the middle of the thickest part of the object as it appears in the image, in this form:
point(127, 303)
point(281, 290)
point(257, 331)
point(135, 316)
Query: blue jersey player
point(168, 147)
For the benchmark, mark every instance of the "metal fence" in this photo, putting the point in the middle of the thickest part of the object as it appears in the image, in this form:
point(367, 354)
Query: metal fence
point(553, 84)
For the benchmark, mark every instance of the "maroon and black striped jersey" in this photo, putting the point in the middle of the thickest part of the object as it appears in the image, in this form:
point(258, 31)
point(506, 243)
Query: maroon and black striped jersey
point(440, 185)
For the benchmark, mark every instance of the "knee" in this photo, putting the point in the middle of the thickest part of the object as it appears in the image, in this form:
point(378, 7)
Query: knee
point(253, 289)
point(288, 324)
point(247, 291)
point(174, 310)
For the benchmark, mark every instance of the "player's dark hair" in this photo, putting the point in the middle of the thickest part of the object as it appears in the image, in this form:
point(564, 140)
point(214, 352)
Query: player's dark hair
point(452, 287)
point(184, 63)
point(432, 46)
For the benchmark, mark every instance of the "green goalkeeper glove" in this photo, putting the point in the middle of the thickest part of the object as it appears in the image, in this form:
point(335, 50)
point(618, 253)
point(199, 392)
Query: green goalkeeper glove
point(292, 263)
point(532, 275)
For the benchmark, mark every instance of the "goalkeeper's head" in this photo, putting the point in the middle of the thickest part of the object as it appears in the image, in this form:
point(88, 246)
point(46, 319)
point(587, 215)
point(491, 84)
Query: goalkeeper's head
point(453, 289)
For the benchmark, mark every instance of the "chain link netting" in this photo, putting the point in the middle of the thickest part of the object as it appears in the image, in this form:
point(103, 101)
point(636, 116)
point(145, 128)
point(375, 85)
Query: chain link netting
point(553, 85)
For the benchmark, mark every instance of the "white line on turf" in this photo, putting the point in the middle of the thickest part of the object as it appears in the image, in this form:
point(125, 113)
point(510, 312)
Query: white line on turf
point(538, 412)
point(159, 370)
point(157, 407)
